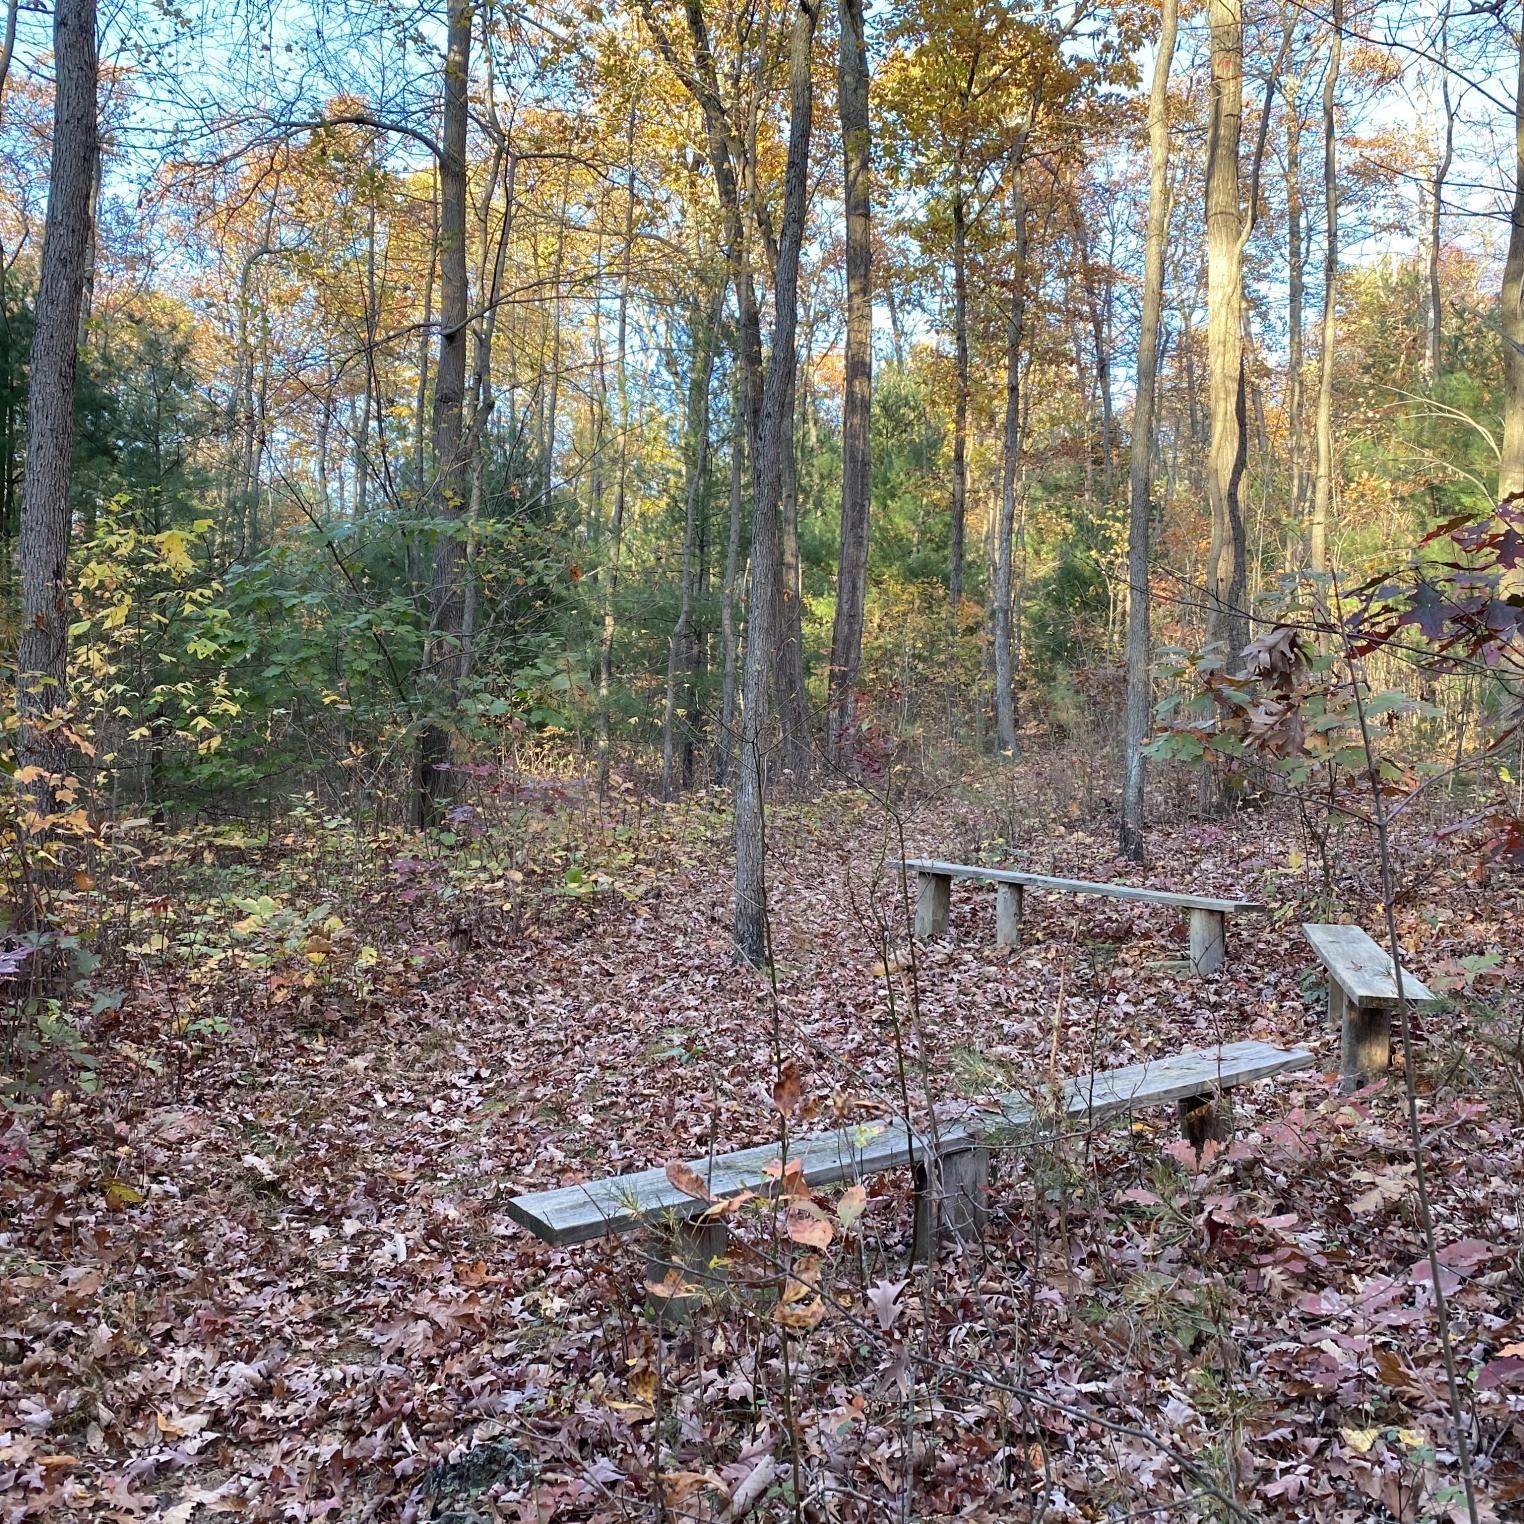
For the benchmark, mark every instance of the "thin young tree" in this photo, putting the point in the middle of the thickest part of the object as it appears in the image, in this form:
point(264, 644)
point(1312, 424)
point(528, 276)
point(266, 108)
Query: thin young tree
point(443, 657)
point(1511, 463)
point(43, 650)
point(857, 393)
point(1140, 474)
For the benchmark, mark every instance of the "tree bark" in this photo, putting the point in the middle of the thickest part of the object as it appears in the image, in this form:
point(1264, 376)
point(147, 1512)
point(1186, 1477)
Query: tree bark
point(442, 657)
point(706, 322)
point(609, 572)
point(857, 395)
point(1005, 548)
point(1322, 493)
point(725, 750)
point(750, 923)
point(960, 404)
point(1227, 620)
point(1140, 475)
point(43, 650)
point(1296, 274)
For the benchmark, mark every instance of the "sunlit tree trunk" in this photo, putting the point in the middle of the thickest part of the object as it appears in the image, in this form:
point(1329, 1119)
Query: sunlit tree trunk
point(1140, 465)
point(43, 651)
point(442, 655)
point(1227, 620)
point(750, 925)
point(1322, 494)
point(857, 392)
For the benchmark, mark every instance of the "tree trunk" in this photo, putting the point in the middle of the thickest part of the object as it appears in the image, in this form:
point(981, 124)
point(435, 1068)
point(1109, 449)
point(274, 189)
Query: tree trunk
point(750, 925)
point(1435, 302)
point(793, 705)
point(1139, 476)
point(1511, 462)
point(706, 322)
point(609, 573)
point(1296, 271)
point(1322, 494)
point(960, 405)
point(442, 656)
point(857, 395)
point(43, 651)
point(1227, 622)
point(725, 750)
point(1005, 548)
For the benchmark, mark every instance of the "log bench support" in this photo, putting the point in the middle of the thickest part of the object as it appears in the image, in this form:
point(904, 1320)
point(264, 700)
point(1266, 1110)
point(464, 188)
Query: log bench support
point(952, 1174)
point(1209, 940)
point(1362, 995)
point(951, 1200)
point(696, 1250)
point(1208, 916)
point(1008, 914)
point(933, 904)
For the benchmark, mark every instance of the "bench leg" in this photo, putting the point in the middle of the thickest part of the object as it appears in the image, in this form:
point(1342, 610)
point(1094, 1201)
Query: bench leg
point(951, 1201)
point(696, 1251)
point(1365, 1043)
point(1202, 1118)
point(933, 903)
point(1008, 915)
point(1209, 940)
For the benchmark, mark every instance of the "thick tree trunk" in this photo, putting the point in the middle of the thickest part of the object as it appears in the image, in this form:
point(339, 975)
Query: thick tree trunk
point(1227, 621)
point(1511, 463)
point(1322, 493)
point(442, 657)
point(750, 925)
point(43, 652)
point(857, 395)
point(1139, 476)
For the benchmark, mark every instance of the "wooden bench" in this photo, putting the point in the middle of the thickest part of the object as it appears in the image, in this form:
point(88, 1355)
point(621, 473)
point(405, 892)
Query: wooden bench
point(1362, 994)
point(951, 1168)
point(1209, 931)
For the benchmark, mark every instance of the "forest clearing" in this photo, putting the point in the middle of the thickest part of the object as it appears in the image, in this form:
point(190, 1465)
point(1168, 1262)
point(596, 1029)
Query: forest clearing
point(763, 761)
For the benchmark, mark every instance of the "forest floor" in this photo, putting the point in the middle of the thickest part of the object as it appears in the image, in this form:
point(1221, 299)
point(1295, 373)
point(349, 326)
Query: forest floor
point(267, 1270)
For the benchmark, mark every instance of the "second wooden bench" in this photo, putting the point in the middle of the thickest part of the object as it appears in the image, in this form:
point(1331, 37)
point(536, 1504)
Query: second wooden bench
point(1209, 916)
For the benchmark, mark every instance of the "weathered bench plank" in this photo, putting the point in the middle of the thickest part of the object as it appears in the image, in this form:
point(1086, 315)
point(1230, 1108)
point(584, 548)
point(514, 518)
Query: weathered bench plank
point(1362, 994)
point(1362, 968)
point(575, 1213)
